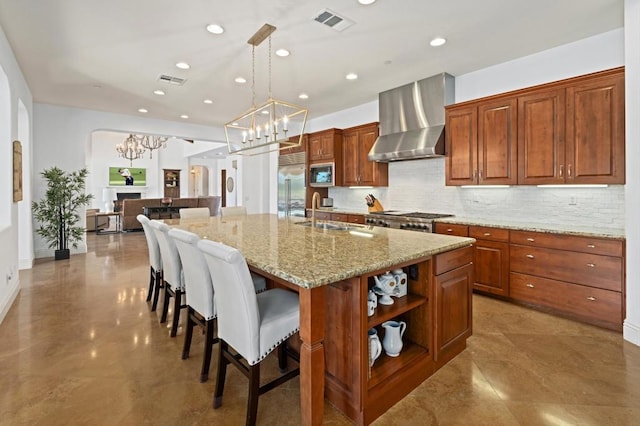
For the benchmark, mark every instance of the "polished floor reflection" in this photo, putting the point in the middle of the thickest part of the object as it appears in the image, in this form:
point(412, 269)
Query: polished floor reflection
point(80, 346)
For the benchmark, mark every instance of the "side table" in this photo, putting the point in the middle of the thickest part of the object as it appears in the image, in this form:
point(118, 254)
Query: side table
point(109, 215)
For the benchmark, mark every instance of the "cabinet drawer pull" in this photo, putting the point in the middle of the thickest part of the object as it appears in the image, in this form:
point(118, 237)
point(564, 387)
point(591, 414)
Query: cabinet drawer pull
point(591, 265)
point(449, 230)
point(531, 239)
point(530, 256)
point(591, 298)
point(591, 245)
point(530, 285)
point(487, 234)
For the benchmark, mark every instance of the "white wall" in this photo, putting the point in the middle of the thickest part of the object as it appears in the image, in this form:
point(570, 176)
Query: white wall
point(632, 195)
point(15, 122)
point(62, 137)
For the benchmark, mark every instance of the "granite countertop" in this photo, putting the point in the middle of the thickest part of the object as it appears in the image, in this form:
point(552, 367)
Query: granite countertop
point(311, 257)
point(340, 210)
point(582, 231)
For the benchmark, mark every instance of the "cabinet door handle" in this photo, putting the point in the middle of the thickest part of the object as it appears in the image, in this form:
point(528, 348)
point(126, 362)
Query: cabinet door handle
point(530, 256)
point(591, 265)
point(591, 245)
point(569, 170)
point(475, 173)
point(561, 170)
point(480, 174)
point(591, 298)
point(530, 285)
point(531, 239)
point(487, 234)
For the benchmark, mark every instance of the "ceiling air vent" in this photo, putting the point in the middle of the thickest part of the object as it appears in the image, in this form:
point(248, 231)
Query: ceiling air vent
point(333, 20)
point(177, 81)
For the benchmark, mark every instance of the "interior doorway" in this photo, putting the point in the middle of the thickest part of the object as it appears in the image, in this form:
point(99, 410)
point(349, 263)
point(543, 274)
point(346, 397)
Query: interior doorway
point(223, 187)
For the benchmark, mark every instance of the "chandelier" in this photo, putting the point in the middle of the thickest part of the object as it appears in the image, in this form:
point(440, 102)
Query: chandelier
point(153, 142)
point(131, 149)
point(266, 127)
point(134, 146)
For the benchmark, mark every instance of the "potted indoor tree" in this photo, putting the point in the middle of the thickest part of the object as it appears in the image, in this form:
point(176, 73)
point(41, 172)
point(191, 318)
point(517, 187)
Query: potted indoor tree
point(57, 212)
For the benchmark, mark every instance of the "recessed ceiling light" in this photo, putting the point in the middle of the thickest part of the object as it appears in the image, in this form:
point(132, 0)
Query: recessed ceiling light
point(143, 110)
point(352, 76)
point(282, 53)
point(240, 80)
point(208, 101)
point(183, 65)
point(438, 41)
point(366, 2)
point(158, 92)
point(185, 116)
point(215, 29)
point(303, 96)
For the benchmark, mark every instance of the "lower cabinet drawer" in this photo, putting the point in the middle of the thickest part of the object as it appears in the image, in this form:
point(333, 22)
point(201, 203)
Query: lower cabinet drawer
point(590, 269)
point(452, 229)
point(602, 305)
point(356, 218)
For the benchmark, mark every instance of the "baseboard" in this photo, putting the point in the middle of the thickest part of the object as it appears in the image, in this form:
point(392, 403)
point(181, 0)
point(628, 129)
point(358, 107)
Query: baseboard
point(9, 301)
point(631, 332)
point(47, 252)
point(25, 264)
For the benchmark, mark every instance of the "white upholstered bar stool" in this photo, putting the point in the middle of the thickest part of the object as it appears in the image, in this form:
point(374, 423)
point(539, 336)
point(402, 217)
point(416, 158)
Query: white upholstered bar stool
point(199, 295)
point(194, 212)
point(172, 274)
point(155, 260)
point(253, 325)
point(233, 211)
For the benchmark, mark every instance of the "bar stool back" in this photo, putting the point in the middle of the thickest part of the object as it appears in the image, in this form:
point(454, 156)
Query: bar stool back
point(155, 260)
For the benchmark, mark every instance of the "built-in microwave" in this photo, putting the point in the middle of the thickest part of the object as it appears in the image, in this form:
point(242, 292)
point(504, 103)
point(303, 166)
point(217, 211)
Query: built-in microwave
point(322, 174)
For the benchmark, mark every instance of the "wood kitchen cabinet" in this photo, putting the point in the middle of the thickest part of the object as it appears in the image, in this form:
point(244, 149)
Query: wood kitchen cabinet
point(490, 255)
point(481, 144)
point(357, 169)
point(570, 131)
point(326, 146)
point(491, 259)
point(579, 276)
point(297, 148)
point(541, 137)
point(595, 130)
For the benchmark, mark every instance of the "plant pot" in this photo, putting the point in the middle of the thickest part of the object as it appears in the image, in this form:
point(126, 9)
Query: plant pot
point(62, 254)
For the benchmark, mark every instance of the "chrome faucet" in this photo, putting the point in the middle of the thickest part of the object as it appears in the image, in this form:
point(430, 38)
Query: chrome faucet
point(315, 203)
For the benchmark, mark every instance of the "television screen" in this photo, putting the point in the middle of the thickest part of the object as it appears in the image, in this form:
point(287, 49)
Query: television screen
point(121, 176)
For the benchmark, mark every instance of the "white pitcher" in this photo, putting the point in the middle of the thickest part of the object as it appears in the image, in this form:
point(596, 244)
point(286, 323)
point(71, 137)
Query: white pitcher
point(393, 332)
point(375, 347)
point(401, 282)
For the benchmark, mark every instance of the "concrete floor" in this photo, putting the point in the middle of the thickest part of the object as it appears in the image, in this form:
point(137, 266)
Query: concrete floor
point(80, 346)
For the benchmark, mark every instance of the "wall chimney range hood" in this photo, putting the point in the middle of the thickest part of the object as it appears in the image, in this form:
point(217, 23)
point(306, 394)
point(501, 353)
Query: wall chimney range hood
point(412, 119)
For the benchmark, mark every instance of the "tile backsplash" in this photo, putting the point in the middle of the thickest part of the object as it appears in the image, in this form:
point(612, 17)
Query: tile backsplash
point(418, 185)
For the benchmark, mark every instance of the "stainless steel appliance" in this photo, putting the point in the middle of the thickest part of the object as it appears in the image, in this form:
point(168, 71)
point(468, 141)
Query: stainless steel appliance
point(322, 175)
point(412, 221)
point(326, 202)
point(412, 119)
point(291, 185)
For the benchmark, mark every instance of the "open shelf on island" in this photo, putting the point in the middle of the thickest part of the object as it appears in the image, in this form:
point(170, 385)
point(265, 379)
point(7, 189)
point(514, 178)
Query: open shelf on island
point(400, 306)
point(386, 366)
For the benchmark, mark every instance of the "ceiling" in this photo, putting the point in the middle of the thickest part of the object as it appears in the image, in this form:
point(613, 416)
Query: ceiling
point(108, 55)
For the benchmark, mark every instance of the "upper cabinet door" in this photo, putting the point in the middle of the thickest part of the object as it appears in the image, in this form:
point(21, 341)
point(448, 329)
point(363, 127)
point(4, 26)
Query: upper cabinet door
point(541, 132)
point(497, 142)
point(461, 145)
point(371, 173)
point(350, 147)
point(595, 131)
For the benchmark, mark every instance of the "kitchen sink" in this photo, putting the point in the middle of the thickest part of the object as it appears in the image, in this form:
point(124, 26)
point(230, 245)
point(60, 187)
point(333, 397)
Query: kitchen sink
point(327, 225)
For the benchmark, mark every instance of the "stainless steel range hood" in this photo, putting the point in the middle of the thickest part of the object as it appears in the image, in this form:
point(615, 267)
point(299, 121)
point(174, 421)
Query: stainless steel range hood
point(412, 119)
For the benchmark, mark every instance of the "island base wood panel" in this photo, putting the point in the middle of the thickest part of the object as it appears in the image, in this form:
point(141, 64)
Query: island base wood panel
point(363, 393)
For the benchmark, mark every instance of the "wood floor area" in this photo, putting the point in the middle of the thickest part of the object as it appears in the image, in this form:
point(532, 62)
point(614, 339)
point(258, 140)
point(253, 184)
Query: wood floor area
point(80, 346)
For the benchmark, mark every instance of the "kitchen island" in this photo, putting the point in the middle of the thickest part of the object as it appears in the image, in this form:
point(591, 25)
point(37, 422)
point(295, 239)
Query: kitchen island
point(333, 270)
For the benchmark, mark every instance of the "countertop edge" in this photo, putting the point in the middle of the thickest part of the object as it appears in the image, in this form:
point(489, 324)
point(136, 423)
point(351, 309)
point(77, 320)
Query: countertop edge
point(614, 234)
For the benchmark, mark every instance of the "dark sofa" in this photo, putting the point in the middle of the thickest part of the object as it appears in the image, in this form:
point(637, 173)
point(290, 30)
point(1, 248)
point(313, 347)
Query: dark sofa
point(133, 207)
